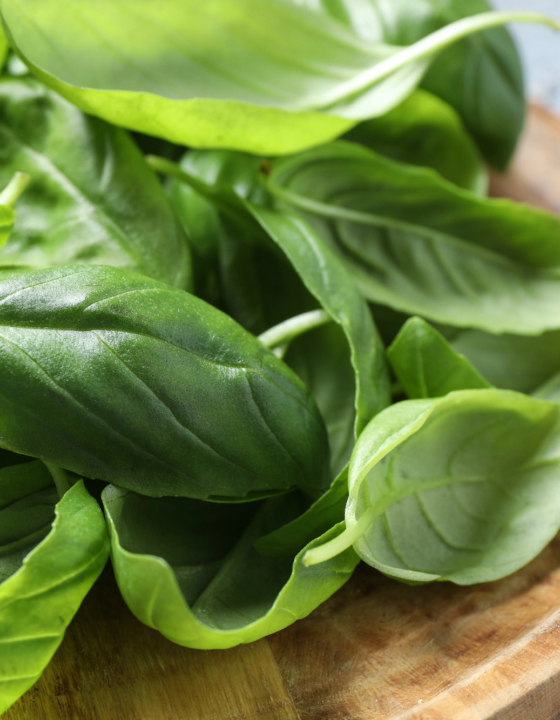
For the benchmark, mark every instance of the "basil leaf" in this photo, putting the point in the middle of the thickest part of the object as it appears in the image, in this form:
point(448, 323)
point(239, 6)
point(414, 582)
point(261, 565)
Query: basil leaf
point(50, 555)
point(423, 130)
point(481, 76)
point(120, 378)
point(257, 75)
point(343, 366)
point(325, 513)
point(460, 488)
point(189, 569)
point(422, 246)
point(92, 198)
point(321, 359)
point(513, 362)
point(426, 365)
point(326, 279)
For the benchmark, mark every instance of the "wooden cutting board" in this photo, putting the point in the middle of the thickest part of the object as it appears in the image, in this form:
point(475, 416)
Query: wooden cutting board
point(376, 650)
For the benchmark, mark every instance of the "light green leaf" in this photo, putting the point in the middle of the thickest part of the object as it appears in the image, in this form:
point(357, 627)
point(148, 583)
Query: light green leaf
point(120, 378)
point(422, 246)
point(189, 569)
point(427, 366)
point(513, 362)
point(4, 50)
point(92, 198)
point(258, 75)
point(423, 130)
point(480, 76)
point(462, 488)
point(8, 199)
point(45, 572)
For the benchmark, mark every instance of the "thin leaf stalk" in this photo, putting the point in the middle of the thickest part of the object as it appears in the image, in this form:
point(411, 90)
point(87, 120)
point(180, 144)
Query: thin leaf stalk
point(283, 333)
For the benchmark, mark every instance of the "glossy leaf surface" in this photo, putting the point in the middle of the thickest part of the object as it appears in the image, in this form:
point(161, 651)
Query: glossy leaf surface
point(250, 75)
point(462, 487)
point(327, 280)
point(92, 199)
point(424, 130)
point(427, 366)
point(189, 568)
point(45, 572)
point(422, 246)
point(120, 378)
point(343, 364)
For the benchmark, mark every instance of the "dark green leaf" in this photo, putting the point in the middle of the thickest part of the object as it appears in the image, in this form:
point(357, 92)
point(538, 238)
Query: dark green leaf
point(325, 513)
point(120, 378)
point(343, 366)
point(189, 569)
point(427, 366)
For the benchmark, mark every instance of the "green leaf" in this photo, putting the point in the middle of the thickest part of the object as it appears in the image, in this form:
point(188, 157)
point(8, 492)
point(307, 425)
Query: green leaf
point(424, 130)
point(120, 378)
point(343, 366)
point(427, 366)
point(328, 282)
point(50, 555)
point(512, 362)
point(321, 358)
point(92, 198)
point(480, 76)
point(462, 488)
point(422, 246)
point(8, 199)
point(549, 390)
point(258, 75)
point(325, 513)
point(189, 569)
point(4, 50)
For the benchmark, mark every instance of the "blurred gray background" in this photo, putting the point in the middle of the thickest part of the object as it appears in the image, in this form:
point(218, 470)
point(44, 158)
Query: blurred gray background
point(540, 49)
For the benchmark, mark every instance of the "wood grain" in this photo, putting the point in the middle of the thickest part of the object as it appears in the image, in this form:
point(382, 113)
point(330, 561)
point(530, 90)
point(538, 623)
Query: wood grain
point(111, 667)
point(377, 650)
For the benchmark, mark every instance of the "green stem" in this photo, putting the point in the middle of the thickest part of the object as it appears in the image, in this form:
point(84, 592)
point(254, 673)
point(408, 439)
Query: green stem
point(60, 478)
point(167, 167)
point(338, 544)
point(285, 332)
point(10, 195)
point(227, 203)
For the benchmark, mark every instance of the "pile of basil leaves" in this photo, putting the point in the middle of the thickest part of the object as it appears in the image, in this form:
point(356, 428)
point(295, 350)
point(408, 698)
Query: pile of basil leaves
point(258, 318)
